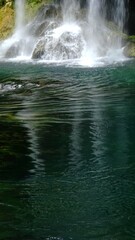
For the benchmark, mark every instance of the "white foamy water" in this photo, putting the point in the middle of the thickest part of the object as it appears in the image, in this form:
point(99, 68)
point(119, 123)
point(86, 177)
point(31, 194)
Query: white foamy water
point(77, 36)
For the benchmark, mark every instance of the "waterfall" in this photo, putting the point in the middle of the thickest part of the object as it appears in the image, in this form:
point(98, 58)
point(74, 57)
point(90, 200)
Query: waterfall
point(119, 13)
point(20, 14)
point(67, 32)
point(101, 39)
point(96, 27)
point(70, 9)
point(119, 17)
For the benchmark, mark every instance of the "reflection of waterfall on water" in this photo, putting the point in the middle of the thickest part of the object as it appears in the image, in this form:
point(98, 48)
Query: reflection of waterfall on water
point(67, 32)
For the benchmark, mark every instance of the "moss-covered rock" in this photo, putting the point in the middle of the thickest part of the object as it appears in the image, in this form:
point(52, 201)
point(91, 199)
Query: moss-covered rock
point(129, 50)
point(33, 6)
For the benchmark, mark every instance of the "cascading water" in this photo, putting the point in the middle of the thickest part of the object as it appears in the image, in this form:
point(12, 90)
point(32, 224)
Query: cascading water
point(67, 32)
point(119, 17)
point(20, 15)
point(94, 31)
point(70, 9)
point(102, 41)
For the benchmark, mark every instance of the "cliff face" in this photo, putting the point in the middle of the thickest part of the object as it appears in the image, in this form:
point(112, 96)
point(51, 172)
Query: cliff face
point(130, 14)
point(131, 17)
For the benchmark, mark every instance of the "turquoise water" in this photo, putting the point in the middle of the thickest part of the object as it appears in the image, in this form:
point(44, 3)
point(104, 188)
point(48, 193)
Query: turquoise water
point(67, 152)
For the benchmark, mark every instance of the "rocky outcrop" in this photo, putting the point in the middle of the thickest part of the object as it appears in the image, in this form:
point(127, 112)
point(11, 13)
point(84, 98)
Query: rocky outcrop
point(13, 51)
point(47, 15)
point(39, 50)
point(67, 46)
point(129, 50)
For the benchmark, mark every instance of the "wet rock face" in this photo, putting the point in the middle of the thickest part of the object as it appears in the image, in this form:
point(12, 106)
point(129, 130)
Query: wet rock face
point(39, 50)
point(47, 16)
point(48, 11)
point(45, 27)
point(67, 46)
point(14, 50)
point(22, 47)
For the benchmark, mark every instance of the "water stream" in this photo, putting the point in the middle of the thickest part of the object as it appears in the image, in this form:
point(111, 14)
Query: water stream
point(20, 15)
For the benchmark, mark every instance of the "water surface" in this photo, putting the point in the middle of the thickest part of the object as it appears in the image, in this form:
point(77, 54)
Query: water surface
point(67, 152)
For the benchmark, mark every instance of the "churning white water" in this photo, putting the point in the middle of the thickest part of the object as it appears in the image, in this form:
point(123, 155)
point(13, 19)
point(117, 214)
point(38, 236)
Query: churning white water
point(67, 32)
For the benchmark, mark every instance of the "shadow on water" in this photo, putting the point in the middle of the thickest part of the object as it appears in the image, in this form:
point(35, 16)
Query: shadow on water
point(14, 158)
point(67, 152)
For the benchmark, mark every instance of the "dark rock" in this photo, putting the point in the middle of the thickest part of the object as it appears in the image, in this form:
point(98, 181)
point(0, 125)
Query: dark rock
point(40, 29)
point(39, 50)
point(13, 51)
point(48, 11)
point(48, 15)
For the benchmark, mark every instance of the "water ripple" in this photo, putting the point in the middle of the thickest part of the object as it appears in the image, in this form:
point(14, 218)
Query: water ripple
point(67, 151)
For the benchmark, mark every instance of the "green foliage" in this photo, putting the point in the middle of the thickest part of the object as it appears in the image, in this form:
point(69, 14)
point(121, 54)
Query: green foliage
point(37, 2)
point(132, 38)
point(2, 2)
point(33, 5)
point(34, 1)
